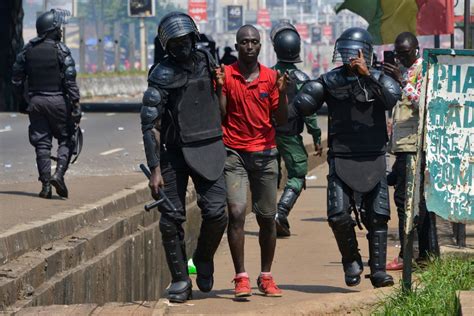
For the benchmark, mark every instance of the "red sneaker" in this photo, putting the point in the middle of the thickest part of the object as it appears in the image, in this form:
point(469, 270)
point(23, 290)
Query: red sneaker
point(267, 285)
point(395, 265)
point(242, 287)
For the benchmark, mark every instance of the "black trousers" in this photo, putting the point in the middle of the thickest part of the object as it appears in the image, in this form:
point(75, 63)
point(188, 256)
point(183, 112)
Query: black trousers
point(211, 195)
point(49, 117)
point(424, 225)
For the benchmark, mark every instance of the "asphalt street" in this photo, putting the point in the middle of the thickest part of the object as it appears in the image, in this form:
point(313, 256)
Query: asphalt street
point(112, 146)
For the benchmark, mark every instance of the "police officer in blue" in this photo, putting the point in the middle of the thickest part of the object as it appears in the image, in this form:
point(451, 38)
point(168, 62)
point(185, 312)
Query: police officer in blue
point(182, 136)
point(357, 97)
point(46, 69)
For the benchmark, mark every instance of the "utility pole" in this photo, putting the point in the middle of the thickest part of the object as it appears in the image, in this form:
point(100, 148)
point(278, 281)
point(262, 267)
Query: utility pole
point(100, 46)
point(467, 24)
point(131, 45)
point(143, 48)
point(117, 45)
point(82, 46)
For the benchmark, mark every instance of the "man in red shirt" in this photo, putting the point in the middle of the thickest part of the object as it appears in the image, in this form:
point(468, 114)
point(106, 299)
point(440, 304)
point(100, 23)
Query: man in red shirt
point(251, 96)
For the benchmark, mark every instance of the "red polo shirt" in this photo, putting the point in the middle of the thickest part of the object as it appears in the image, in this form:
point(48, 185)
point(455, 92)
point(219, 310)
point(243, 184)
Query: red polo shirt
point(247, 125)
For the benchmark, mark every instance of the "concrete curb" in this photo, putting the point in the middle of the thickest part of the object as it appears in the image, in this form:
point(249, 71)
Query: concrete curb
point(60, 287)
point(26, 237)
point(464, 253)
point(466, 302)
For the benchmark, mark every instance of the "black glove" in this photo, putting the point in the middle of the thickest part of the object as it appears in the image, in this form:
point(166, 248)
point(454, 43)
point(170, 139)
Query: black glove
point(76, 113)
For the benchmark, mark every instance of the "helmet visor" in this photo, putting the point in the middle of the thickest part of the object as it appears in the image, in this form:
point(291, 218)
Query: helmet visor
point(345, 50)
point(61, 16)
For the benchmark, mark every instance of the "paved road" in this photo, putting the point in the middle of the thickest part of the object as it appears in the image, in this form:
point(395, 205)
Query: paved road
point(112, 146)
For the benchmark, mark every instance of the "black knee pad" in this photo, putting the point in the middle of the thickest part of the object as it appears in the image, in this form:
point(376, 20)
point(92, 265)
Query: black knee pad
point(378, 222)
point(341, 222)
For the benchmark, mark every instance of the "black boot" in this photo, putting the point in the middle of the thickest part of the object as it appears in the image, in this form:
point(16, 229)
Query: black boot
point(378, 257)
point(343, 228)
point(286, 203)
point(57, 180)
point(208, 242)
point(180, 289)
point(46, 191)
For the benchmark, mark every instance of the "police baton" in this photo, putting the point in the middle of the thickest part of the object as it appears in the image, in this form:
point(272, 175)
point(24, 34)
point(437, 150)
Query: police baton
point(163, 198)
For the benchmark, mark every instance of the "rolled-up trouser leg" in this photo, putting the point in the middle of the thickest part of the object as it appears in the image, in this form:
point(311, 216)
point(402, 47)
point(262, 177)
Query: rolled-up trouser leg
point(342, 226)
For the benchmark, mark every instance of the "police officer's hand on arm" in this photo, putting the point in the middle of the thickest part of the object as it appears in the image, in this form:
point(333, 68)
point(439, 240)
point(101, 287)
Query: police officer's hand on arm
point(219, 74)
point(281, 114)
point(358, 63)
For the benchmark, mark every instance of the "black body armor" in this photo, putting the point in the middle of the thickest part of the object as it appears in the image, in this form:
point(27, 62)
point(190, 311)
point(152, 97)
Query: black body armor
point(43, 69)
point(191, 118)
point(357, 126)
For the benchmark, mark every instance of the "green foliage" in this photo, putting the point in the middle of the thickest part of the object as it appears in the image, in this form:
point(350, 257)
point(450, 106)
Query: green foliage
point(434, 291)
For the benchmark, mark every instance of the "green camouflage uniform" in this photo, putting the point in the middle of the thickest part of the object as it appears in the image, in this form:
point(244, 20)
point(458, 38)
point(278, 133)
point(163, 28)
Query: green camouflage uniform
point(290, 142)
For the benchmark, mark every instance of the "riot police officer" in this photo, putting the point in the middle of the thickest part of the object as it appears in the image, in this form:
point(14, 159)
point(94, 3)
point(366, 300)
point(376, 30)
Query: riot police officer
point(357, 97)
point(181, 125)
point(45, 66)
point(286, 43)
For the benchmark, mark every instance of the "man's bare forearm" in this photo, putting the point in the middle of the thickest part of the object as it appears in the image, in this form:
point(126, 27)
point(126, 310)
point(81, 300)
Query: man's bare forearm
point(222, 102)
point(281, 114)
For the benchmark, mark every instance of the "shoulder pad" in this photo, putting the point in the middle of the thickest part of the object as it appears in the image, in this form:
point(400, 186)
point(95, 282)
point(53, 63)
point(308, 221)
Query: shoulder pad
point(337, 84)
point(64, 49)
point(335, 78)
point(391, 85)
point(35, 41)
point(298, 76)
point(310, 98)
point(376, 73)
point(168, 76)
point(210, 60)
point(69, 61)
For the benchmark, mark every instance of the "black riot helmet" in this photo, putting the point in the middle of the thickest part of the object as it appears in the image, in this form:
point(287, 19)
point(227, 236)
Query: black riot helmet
point(176, 24)
point(51, 20)
point(349, 43)
point(286, 42)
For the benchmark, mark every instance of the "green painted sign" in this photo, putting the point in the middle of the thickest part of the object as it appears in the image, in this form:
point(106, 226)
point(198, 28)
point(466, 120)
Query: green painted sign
point(448, 96)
